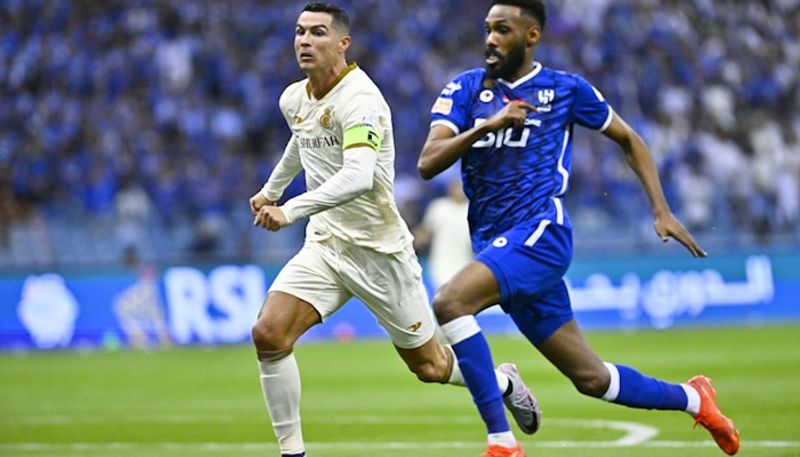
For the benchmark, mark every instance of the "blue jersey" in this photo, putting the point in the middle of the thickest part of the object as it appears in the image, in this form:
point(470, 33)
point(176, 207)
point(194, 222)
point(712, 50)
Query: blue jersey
point(517, 176)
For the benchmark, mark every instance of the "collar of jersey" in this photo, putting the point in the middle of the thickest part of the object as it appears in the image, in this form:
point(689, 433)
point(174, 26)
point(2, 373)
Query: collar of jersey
point(325, 92)
point(537, 67)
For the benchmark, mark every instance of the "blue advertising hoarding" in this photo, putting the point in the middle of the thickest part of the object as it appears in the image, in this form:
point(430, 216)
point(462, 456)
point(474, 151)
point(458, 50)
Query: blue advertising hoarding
point(188, 305)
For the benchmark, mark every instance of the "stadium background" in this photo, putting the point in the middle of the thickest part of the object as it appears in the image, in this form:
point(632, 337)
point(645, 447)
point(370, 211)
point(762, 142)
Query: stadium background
point(132, 134)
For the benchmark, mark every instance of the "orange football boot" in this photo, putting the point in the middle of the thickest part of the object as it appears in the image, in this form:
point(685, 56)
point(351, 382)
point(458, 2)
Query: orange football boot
point(495, 450)
point(711, 418)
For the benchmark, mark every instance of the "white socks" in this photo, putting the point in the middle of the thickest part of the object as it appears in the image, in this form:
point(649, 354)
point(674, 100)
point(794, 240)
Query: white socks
point(613, 385)
point(280, 383)
point(505, 439)
point(693, 400)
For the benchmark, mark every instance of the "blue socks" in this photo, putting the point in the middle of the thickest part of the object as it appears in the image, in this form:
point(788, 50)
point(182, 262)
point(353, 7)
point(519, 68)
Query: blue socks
point(477, 368)
point(630, 388)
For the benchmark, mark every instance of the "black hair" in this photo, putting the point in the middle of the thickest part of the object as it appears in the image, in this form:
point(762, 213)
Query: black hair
point(534, 8)
point(340, 17)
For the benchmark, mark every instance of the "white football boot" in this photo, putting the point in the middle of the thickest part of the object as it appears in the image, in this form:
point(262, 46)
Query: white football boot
point(521, 402)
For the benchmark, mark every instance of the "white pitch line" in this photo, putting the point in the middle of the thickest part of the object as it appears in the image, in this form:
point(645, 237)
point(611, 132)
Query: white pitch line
point(360, 446)
point(635, 433)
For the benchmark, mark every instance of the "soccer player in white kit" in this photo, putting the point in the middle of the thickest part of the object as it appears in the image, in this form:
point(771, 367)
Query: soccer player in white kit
point(356, 242)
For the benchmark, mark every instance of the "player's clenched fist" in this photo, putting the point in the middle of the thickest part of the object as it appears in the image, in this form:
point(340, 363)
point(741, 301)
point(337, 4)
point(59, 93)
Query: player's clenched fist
point(257, 201)
point(270, 218)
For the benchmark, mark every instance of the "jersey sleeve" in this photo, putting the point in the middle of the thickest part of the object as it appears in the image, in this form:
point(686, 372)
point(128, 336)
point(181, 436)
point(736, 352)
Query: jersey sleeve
point(590, 108)
point(362, 121)
point(289, 102)
point(451, 108)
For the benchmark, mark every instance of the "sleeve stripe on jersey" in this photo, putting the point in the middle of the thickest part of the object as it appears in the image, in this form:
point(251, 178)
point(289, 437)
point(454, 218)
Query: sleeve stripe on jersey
point(608, 120)
point(447, 124)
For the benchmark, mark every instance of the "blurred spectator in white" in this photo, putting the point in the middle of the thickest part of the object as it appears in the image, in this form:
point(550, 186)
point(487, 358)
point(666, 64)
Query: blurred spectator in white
point(787, 181)
point(444, 231)
point(696, 191)
point(132, 215)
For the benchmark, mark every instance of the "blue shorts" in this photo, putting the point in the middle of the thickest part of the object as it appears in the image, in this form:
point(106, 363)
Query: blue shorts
point(529, 263)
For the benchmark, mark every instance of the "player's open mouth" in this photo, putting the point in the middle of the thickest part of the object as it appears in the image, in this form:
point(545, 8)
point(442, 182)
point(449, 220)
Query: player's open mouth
point(304, 56)
point(493, 57)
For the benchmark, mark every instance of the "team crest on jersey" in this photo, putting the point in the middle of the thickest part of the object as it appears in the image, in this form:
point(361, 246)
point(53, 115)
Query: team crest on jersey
point(326, 119)
point(297, 120)
point(546, 96)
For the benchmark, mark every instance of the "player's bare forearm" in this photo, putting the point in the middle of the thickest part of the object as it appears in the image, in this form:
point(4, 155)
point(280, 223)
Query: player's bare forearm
point(641, 162)
point(443, 148)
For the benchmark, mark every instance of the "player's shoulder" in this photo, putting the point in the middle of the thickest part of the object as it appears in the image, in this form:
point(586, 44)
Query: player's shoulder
point(471, 78)
point(359, 92)
point(555, 77)
point(356, 88)
point(293, 94)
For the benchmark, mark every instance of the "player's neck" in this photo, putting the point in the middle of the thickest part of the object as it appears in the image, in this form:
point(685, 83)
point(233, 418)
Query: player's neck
point(322, 82)
point(522, 71)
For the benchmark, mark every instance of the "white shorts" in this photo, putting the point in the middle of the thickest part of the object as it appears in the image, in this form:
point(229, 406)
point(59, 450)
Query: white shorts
point(328, 273)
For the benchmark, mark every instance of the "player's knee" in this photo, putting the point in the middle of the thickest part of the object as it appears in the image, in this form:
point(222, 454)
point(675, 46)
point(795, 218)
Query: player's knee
point(446, 305)
point(269, 338)
point(592, 383)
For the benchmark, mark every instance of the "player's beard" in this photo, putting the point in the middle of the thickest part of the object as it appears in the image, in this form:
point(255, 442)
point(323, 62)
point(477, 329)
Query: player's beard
point(508, 64)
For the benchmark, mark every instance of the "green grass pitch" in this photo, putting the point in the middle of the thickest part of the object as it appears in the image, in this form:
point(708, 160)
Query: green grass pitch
point(359, 400)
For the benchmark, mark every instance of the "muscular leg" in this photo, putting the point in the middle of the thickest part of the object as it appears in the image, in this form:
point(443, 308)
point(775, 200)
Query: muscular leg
point(571, 354)
point(473, 289)
point(433, 362)
point(283, 319)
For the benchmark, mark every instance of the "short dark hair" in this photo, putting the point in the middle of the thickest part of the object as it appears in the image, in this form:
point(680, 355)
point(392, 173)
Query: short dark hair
point(340, 17)
point(533, 8)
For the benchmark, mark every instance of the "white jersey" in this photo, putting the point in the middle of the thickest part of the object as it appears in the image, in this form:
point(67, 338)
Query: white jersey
point(371, 220)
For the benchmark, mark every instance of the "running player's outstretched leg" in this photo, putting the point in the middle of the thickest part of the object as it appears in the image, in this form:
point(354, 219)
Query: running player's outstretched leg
point(282, 320)
point(571, 354)
point(456, 303)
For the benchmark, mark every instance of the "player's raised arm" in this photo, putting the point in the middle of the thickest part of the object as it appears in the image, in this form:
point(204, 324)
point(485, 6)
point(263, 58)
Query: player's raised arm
point(444, 147)
point(641, 162)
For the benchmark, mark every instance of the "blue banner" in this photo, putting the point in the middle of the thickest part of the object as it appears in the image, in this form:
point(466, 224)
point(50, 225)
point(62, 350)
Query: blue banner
point(189, 305)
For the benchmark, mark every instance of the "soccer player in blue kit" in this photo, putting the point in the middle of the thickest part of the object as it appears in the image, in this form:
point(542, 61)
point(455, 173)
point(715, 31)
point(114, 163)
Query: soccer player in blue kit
point(511, 125)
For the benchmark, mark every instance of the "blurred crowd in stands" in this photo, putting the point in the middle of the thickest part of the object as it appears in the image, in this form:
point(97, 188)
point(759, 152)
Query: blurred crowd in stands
point(140, 128)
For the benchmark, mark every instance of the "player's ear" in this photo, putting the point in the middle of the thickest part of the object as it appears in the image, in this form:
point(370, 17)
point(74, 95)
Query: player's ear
point(344, 43)
point(534, 34)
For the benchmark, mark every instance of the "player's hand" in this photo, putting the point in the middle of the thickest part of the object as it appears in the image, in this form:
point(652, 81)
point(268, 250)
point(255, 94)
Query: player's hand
point(270, 218)
point(512, 115)
point(257, 201)
point(669, 227)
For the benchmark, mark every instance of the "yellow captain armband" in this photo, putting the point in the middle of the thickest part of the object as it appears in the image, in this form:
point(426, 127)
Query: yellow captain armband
point(361, 136)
